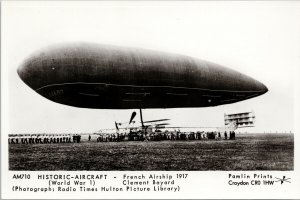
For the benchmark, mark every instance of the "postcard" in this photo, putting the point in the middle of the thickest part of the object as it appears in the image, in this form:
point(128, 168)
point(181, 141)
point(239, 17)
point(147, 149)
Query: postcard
point(150, 99)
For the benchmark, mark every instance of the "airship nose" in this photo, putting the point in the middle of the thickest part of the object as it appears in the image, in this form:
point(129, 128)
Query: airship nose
point(21, 71)
point(257, 87)
point(28, 74)
point(263, 88)
point(251, 87)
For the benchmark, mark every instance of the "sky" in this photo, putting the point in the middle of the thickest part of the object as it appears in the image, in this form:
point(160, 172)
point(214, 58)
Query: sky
point(259, 39)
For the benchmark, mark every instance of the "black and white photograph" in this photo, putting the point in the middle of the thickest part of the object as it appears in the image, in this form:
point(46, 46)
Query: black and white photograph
point(155, 86)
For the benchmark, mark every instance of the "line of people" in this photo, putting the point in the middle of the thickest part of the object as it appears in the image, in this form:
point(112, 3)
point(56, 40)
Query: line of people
point(118, 137)
point(159, 135)
point(43, 139)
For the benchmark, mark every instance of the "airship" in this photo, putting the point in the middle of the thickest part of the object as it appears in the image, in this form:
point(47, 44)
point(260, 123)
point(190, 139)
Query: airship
point(88, 75)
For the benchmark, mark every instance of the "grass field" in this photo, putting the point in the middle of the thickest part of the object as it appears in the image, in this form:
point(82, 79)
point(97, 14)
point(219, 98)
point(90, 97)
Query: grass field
point(247, 152)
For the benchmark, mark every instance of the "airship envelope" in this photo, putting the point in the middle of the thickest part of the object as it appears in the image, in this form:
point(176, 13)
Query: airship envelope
point(110, 77)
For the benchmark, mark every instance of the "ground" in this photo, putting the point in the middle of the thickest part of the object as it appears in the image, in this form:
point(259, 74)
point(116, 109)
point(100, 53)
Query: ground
point(247, 152)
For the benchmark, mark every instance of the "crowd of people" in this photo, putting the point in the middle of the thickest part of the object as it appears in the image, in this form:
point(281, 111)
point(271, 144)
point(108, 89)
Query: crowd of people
point(163, 135)
point(43, 139)
point(118, 137)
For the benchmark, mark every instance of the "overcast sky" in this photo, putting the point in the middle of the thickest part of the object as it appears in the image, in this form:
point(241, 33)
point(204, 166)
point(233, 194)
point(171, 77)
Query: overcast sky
point(259, 39)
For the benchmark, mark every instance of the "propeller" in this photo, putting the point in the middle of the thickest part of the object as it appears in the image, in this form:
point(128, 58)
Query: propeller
point(116, 125)
point(132, 116)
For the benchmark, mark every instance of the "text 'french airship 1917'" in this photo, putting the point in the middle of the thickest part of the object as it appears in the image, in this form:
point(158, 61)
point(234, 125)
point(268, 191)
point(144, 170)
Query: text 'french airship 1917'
point(110, 77)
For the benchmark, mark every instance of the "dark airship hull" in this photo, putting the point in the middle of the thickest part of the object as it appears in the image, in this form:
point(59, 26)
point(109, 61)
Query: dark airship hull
point(108, 77)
